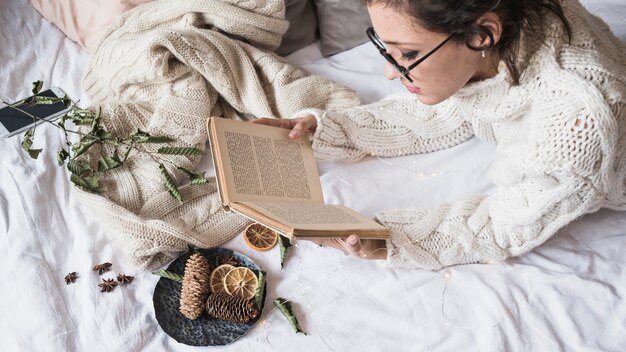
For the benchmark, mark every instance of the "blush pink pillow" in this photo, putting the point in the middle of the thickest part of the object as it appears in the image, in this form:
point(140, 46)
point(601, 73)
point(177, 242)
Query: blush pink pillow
point(84, 20)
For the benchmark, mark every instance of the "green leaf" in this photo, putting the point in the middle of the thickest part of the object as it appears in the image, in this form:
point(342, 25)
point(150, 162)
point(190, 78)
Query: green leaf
point(61, 123)
point(285, 307)
point(37, 86)
point(34, 153)
point(85, 143)
point(158, 139)
point(139, 135)
point(79, 167)
point(27, 143)
point(28, 140)
point(103, 135)
point(87, 183)
point(169, 183)
point(144, 137)
point(18, 103)
point(195, 178)
point(81, 117)
point(107, 163)
point(111, 141)
point(42, 100)
point(283, 244)
point(260, 290)
point(95, 124)
point(169, 275)
point(62, 156)
point(186, 151)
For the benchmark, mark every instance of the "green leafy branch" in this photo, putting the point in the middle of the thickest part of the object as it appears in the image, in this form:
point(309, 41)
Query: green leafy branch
point(87, 176)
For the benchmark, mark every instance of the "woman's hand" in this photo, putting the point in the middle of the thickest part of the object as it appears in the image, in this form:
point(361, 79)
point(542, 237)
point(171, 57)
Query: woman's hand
point(366, 249)
point(297, 125)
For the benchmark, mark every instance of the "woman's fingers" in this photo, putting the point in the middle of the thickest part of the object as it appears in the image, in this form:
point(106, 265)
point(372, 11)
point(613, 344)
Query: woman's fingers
point(304, 124)
point(283, 123)
point(263, 121)
point(353, 245)
point(297, 125)
point(368, 249)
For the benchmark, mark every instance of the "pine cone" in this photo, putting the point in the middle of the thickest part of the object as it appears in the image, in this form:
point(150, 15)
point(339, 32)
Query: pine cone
point(225, 307)
point(195, 286)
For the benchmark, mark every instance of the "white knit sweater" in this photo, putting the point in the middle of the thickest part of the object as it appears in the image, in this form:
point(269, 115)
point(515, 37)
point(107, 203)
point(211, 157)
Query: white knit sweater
point(561, 147)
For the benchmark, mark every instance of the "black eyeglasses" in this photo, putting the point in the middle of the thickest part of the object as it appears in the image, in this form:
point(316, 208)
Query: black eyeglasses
point(404, 71)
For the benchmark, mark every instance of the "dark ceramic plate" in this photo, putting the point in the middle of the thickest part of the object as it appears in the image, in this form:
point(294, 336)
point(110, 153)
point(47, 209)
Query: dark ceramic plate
point(206, 330)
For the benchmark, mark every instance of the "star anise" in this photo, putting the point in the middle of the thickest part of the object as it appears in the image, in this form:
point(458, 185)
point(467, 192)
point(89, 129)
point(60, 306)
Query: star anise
point(70, 278)
point(230, 260)
point(107, 285)
point(124, 279)
point(102, 268)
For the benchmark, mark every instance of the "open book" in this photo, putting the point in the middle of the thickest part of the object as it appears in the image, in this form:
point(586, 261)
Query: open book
point(273, 180)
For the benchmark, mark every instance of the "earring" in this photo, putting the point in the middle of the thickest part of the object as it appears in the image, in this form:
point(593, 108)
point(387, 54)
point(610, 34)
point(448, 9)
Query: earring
point(482, 53)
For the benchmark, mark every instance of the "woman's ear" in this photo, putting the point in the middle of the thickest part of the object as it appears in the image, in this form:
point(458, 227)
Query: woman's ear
point(490, 22)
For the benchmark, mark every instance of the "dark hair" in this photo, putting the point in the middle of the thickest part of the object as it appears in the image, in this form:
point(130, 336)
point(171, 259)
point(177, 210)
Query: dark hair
point(461, 18)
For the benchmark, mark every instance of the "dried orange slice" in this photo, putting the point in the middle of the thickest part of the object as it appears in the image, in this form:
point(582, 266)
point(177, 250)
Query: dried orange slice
point(217, 277)
point(241, 282)
point(259, 237)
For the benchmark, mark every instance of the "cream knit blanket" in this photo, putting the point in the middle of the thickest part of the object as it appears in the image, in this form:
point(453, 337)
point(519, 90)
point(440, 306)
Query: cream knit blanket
point(164, 68)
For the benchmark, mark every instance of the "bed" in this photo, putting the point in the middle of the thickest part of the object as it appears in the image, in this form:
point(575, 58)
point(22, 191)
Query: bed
point(567, 295)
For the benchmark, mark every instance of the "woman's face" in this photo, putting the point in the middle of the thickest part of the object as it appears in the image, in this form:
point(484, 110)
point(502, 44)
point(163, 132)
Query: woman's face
point(440, 75)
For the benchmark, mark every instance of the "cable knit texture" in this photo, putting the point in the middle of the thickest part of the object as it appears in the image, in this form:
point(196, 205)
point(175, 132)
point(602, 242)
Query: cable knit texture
point(561, 147)
point(166, 67)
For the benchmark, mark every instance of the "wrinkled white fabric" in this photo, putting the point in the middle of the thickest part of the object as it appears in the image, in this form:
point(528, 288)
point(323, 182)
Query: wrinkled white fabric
point(567, 295)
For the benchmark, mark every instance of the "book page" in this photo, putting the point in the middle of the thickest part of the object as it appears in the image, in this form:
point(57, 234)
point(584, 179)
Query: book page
point(317, 220)
point(261, 163)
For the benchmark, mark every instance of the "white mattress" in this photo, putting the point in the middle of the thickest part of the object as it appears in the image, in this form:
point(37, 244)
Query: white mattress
point(569, 294)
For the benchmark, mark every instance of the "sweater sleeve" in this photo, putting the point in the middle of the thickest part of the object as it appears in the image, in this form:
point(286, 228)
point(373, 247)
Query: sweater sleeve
point(510, 222)
point(555, 162)
point(391, 127)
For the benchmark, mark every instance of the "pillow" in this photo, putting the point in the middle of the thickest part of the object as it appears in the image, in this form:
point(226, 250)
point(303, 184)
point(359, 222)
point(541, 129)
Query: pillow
point(136, 2)
point(342, 24)
point(302, 26)
point(84, 20)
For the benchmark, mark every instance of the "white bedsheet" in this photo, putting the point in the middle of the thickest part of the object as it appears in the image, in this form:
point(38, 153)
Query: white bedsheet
point(569, 294)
